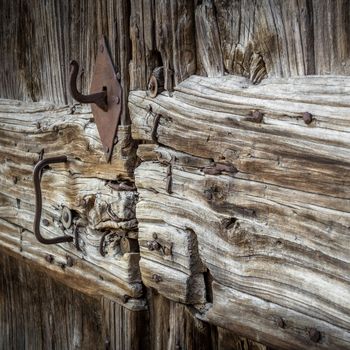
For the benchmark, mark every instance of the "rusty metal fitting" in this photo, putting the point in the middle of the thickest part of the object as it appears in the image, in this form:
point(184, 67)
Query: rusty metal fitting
point(307, 117)
point(156, 82)
point(314, 335)
point(156, 278)
point(153, 245)
point(49, 258)
point(45, 222)
point(279, 322)
point(70, 261)
point(167, 251)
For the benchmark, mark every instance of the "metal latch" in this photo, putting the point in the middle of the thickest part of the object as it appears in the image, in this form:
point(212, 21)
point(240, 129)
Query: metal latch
point(105, 96)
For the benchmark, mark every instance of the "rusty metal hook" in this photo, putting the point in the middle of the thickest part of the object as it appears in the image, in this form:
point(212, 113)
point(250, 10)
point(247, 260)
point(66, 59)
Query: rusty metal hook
point(38, 201)
point(99, 98)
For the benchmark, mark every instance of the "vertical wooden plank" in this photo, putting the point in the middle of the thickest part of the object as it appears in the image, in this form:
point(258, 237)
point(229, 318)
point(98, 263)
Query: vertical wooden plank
point(122, 328)
point(39, 313)
point(209, 53)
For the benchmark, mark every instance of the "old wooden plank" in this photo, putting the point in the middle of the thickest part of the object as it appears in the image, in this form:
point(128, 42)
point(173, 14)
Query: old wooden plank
point(273, 151)
point(293, 253)
point(38, 312)
point(100, 196)
point(256, 318)
point(36, 65)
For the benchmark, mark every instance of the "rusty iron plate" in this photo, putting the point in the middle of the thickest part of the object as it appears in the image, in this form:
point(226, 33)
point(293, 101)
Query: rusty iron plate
point(105, 78)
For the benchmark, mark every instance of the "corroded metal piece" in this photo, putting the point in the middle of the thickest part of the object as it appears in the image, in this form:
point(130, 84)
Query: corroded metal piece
point(38, 200)
point(105, 96)
point(66, 218)
point(156, 82)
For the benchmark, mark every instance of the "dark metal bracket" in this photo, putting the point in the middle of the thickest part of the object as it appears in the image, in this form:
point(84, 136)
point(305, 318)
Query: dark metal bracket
point(38, 200)
point(105, 96)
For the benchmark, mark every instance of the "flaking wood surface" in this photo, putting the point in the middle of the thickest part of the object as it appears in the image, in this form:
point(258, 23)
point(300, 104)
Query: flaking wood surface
point(267, 203)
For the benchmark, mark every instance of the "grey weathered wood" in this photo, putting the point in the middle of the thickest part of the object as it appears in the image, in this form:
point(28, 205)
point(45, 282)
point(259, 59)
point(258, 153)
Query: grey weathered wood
point(268, 202)
point(87, 185)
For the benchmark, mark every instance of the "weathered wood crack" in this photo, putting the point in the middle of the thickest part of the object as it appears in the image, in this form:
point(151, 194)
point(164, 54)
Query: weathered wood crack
point(267, 203)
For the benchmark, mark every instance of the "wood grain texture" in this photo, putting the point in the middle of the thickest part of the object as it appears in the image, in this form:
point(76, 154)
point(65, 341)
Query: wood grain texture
point(38, 312)
point(268, 201)
point(36, 65)
point(162, 34)
point(100, 196)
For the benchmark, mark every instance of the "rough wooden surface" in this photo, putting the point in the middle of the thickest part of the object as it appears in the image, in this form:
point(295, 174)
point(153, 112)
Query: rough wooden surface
point(100, 196)
point(243, 187)
point(37, 312)
point(250, 38)
point(36, 65)
point(266, 198)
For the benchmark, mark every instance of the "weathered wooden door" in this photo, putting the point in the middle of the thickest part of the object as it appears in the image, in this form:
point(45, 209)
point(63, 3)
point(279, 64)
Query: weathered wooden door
point(222, 220)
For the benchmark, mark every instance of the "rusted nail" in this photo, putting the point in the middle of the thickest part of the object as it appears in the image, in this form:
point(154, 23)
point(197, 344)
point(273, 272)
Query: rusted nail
point(314, 335)
point(154, 235)
point(279, 322)
point(14, 179)
point(208, 194)
point(45, 222)
point(155, 127)
point(307, 117)
point(66, 217)
point(218, 169)
point(70, 261)
point(49, 258)
point(156, 278)
point(102, 244)
point(126, 298)
point(256, 117)
point(167, 251)
point(153, 245)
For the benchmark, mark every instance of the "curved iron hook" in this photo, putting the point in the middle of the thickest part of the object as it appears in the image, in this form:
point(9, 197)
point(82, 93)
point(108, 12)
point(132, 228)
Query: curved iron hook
point(99, 98)
point(38, 201)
